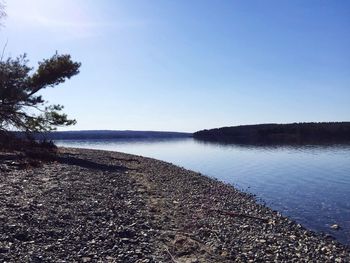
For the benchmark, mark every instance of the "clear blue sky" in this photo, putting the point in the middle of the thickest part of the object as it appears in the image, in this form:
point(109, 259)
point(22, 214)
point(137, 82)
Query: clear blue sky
point(189, 65)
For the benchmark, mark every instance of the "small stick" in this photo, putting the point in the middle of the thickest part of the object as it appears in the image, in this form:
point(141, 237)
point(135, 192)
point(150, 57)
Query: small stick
point(170, 255)
point(233, 214)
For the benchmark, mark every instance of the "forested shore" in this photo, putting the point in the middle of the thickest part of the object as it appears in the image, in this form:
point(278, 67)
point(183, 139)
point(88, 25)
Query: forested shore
point(293, 133)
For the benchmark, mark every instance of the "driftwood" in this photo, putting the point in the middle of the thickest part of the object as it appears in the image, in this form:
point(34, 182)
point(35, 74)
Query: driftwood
point(170, 255)
point(234, 214)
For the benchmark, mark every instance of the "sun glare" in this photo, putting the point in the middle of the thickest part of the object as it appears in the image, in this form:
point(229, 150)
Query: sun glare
point(68, 17)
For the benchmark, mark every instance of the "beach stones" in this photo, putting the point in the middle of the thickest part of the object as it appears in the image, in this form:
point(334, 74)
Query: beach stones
point(96, 206)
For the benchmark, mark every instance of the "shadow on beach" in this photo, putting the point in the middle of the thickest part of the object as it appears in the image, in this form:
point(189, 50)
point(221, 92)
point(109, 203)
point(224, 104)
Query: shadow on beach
point(90, 164)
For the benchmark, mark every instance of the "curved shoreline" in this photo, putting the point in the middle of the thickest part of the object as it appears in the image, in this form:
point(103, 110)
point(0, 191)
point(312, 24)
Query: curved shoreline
point(93, 205)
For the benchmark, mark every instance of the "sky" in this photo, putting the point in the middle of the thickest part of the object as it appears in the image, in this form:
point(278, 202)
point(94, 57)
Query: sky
point(189, 65)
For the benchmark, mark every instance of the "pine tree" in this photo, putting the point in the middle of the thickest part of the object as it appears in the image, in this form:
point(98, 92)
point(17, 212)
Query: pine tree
point(21, 108)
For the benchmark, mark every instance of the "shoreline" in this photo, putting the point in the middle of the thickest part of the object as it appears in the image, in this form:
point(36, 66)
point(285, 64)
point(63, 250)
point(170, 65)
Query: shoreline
point(102, 206)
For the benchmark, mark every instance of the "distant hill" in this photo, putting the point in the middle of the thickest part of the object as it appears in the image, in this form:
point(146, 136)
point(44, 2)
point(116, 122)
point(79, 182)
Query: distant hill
point(300, 133)
point(106, 134)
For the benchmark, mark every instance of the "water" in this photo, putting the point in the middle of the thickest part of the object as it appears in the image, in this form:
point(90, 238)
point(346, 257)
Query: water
point(310, 184)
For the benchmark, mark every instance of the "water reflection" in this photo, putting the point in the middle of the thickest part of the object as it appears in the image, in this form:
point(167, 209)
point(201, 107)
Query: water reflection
point(310, 183)
point(271, 146)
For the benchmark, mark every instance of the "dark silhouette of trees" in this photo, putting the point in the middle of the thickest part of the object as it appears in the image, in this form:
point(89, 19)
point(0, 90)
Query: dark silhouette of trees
point(294, 133)
point(23, 111)
point(21, 108)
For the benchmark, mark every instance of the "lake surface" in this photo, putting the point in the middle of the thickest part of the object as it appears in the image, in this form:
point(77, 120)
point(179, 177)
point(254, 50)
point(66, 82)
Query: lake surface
point(310, 184)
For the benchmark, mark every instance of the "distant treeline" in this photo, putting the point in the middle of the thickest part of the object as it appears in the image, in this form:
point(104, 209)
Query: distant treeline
point(92, 135)
point(294, 133)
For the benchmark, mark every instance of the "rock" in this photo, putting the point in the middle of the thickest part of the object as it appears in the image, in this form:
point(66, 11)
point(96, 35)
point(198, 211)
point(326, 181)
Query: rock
point(335, 226)
point(85, 259)
point(22, 236)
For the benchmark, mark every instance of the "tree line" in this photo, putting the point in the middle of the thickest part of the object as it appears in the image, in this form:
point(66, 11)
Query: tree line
point(297, 133)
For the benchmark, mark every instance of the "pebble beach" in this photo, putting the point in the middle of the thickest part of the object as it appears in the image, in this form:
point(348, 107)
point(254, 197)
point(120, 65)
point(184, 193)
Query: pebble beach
point(100, 206)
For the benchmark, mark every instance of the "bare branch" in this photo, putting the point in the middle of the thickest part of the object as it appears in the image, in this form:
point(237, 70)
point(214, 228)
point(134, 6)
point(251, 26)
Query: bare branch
point(3, 50)
point(2, 11)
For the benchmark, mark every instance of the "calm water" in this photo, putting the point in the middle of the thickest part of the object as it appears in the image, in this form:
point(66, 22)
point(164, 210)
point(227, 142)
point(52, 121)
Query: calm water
point(310, 184)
